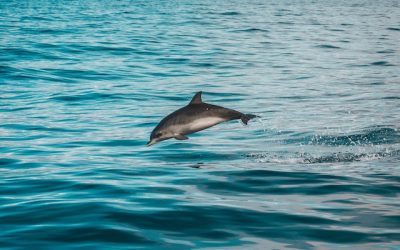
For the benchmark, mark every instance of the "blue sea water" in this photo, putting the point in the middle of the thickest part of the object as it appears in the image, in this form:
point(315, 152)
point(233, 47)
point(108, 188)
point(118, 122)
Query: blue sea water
point(83, 83)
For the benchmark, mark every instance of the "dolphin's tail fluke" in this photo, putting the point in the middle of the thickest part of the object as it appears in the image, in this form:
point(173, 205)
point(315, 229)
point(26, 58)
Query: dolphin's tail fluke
point(247, 117)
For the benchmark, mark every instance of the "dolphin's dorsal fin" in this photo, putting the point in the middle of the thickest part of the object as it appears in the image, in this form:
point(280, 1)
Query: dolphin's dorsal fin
point(196, 98)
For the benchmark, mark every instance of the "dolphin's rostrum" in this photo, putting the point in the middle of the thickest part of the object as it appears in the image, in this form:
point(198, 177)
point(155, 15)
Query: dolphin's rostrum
point(192, 118)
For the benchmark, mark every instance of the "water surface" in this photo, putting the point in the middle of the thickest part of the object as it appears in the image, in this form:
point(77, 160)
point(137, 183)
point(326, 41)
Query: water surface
point(83, 83)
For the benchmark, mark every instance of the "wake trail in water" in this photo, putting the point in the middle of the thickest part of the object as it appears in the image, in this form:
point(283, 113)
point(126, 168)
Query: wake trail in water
point(367, 145)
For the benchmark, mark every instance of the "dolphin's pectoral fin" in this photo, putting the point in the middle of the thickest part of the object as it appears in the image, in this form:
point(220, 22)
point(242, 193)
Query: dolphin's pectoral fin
point(180, 137)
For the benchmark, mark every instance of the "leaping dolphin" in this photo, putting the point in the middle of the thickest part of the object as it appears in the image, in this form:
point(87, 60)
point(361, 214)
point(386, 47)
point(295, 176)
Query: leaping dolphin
point(192, 118)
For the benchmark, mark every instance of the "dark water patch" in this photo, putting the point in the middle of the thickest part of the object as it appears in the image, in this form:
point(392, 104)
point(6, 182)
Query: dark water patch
point(38, 152)
point(177, 61)
point(386, 51)
point(286, 23)
point(16, 54)
point(7, 161)
point(393, 29)
point(203, 65)
point(381, 63)
point(394, 219)
point(295, 97)
point(168, 74)
point(91, 236)
point(333, 210)
point(391, 98)
point(5, 69)
point(303, 77)
point(230, 13)
point(341, 236)
point(252, 30)
point(19, 52)
point(377, 83)
point(337, 30)
point(327, 46)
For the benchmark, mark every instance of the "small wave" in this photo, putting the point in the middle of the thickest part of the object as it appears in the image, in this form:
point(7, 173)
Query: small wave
point(84, 97)
point(286, 23)
point(115, 50)
point(82, 74)
point(178, 61)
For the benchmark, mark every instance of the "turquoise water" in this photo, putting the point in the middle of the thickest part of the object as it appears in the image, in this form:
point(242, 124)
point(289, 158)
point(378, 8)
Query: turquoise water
point(83, 83)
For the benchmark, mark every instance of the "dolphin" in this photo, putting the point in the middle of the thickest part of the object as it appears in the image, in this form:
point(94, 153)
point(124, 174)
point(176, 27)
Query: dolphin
point(195, 116)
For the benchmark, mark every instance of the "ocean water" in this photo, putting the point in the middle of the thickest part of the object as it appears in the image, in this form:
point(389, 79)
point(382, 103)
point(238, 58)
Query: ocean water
point(83, 83)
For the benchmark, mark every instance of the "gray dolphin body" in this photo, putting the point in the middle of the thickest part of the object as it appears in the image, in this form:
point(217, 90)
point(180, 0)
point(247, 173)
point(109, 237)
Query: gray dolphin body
point(192, 118)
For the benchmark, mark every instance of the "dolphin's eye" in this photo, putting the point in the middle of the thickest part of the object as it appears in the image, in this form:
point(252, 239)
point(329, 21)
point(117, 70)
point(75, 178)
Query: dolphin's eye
point(158, 134)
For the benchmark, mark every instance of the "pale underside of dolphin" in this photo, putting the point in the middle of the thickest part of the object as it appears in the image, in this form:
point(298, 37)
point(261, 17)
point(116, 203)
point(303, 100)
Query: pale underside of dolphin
point(192, 118)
